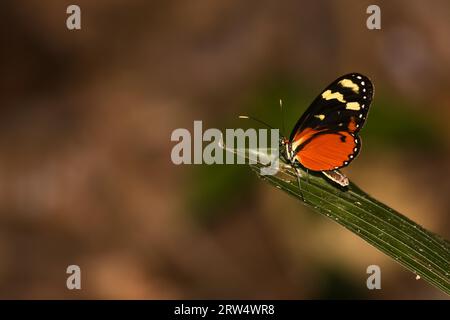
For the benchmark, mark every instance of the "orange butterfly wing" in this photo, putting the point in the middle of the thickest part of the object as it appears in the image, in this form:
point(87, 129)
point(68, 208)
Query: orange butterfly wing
point(328, 151)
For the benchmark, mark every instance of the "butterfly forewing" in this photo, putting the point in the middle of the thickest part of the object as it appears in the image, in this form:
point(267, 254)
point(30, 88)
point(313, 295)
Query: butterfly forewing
point(347, 98)
point(325, 137)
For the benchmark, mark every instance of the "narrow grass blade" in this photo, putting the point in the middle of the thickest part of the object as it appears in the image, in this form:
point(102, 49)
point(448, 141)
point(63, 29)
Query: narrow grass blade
point(417, 249)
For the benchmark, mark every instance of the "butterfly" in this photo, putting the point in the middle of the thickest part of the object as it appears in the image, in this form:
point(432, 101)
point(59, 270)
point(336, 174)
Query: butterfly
point(325, 138)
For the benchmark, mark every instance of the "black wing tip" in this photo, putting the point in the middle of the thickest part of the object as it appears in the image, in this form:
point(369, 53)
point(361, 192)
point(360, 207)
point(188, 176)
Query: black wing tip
point(361, 77)
point(357, 75)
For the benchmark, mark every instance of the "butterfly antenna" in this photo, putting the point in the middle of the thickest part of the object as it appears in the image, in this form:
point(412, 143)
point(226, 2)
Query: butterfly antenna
point(257, 120)
point(283, 127)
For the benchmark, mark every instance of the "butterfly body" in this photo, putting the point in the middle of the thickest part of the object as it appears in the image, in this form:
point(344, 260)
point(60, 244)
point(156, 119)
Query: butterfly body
point(325, 138)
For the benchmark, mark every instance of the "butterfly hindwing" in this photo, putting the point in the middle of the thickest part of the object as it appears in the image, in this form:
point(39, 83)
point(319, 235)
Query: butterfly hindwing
point(328, 150)
point(325, 137)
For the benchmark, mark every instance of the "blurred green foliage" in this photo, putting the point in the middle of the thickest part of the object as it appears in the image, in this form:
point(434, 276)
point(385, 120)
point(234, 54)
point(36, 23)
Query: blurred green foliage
point(395, 123)
point(337, 284)
point(217, 190)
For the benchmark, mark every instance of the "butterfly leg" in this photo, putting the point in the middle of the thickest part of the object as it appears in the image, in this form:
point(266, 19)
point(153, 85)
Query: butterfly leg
point(307, 179)
point(337, 177)
point(299, 183)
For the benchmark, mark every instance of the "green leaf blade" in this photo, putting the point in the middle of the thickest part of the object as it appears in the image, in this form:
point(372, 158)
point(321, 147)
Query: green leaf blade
point(417, 249)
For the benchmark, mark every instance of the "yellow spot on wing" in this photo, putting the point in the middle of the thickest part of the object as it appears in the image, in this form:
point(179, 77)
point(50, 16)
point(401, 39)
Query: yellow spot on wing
point(346, 83)
point(320, 116)
point(352, 106)
point(328, 95)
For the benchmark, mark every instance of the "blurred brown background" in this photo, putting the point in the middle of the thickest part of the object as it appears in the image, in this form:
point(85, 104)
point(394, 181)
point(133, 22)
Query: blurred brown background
point(85, 125)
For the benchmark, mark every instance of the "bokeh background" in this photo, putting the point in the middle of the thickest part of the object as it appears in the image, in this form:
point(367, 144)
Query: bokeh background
point(85, 124)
